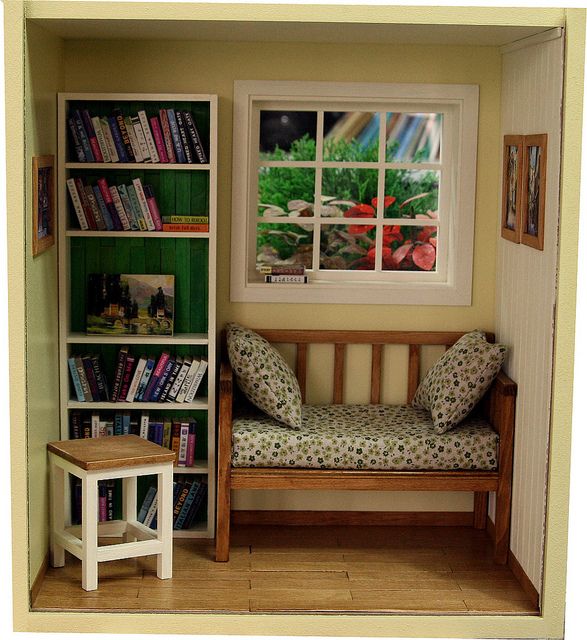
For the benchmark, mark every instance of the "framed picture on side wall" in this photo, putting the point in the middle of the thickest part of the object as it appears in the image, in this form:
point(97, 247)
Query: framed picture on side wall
point(534, 191)
point(43, 203)
point(511, 208)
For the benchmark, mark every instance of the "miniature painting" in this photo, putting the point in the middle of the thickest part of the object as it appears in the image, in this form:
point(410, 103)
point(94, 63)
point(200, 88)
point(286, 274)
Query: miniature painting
point(535, 191)
point(513, 164)
point(122, 304)
point(43, 204)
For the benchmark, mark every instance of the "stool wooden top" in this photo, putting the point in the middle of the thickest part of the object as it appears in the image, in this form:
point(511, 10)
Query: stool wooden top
point(110, 452)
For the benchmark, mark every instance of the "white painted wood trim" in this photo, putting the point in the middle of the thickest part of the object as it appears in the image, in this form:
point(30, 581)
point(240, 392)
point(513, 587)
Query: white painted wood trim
point(178, 338)
point(129, 550)
point(538, 38)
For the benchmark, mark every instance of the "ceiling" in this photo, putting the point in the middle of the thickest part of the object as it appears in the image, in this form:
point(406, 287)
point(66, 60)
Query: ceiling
point(241, 31)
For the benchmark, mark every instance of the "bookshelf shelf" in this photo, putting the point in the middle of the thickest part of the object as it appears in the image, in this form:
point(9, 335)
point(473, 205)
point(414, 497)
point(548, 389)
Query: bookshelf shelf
point(179, 338)
point(105, 166)
point(187, 188)
point(77, 233)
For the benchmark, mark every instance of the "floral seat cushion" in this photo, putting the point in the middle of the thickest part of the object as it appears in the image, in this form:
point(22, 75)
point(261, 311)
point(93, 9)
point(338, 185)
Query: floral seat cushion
point(384, 437)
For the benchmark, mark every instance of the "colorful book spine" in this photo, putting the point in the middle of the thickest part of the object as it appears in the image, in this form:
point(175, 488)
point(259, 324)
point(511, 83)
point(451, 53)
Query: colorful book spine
point(152, 513)
point(187, 383)
point(91, 377)
point(102, 504)
point(77, 384)
point(167, 139)
point(158, 137)
point(100, 378)
point(149, 366)
point(101, 139)
point(183, 136)
point(196, 504)
point(76, 141)
point(185, 509)
point(99, 214)
point(148, 499)
point(153, 208)
point(124, 221)
point(191, 394)
point(81, 372)
point(144, 426)
point(108, 139)
point(140, 136)
point(126, 377)
point(158, 389)
point(107, 196)
point(148, 136)
point(136, 379)
point(95, 425)
point(75, 425)
point(191, 452)
point(194, 137)
point(83, 136)
point(175, 219)
point(117, 138)
point(167, 432)
point(177, 364)
point(124, 198)
point(179, 152)
point(121, 124)
point(106, 213)
point(118, 424)
point(175, 437)
point(157, 373)
point(287, 279)
point(187, 361)
point(143, 204)
point(184, 433)
point(185, 489)
point(77, 205)
point(136, 208)
point(134, 143)
point(87, 206)
point(87, 120)
point(119, 373)
point(185, 228)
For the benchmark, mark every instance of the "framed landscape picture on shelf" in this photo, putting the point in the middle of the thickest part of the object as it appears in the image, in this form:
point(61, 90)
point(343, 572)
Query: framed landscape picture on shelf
point(533, 203)
point(121, 304)
point(43, 203)
point(511, 209)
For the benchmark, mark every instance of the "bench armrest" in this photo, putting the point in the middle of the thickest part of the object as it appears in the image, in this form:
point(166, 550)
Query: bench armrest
point(225, 423)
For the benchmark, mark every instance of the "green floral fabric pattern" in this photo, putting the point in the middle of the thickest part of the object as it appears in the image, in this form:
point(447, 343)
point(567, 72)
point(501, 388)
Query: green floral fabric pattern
point(363, 437)
point(264, 376)
point(456, 383)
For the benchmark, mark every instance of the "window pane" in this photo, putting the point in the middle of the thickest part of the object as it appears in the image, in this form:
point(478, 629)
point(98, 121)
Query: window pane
point(413, 137)
point(411, 194)
point(284, 244)
point(349, 192)
point(409, 248)
point(351, 136)
point(286, 191)
point(347, 247)
point(287, 135)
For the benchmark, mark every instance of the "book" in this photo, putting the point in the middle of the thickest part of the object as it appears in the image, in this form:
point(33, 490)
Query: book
point(185, 508)
point(119, 373)
point(157, 373)
point(185, 387)
point(177, 364)
point(154, 156)
point(100, 378)
point(136, 208)
point(126, 377)
point(117, 138)
point(144, 425)
point(149, 366)
point(103, 511)
point(128, 209)
point(91, 377)
point(175, 438)
point(285, 279)
point(134, 143)
point(282, 270)
point(183, 494)
point(95, 422)
point(87, 206)
point(175, 219)
point(105, 212)
point(158, 137)
point(120, 212)
point(83, 136)
point(194, 137)
point(75, 425)
point(151, 513)
point(146, 213)
point(158, 388)
point(140, 136)
point(191, 450)
point(107, 197)
point(108, 139)
point(77, 205)
point(167, 432)
point(153, 208)
point(156, 432)
point(199, 375)
point(75, 378)
point(147, 500)
point(104, 150)
point(187, 361)
point(196, 506)
point(185, 228)
point(96, 212)
point(89, 127)
point(136, 379)
point(75, 141)
point(79, 365)
point(179, 152)
point(121, 124)
point(184, 432)
point(167, 139)
point(183, 137)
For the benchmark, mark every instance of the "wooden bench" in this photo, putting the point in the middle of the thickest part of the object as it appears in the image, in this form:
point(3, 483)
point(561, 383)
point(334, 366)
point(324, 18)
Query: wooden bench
point(497, 407)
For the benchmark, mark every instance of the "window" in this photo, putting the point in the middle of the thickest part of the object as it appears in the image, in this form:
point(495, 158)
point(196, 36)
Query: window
point(370, 187)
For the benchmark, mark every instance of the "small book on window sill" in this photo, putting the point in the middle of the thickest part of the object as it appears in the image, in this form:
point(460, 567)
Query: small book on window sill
point(282, 270)
point(287, 279)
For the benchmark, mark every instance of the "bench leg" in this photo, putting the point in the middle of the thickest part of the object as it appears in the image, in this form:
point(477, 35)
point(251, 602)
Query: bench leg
point(223, 519)
point(503, 507)
point(480, 509)
point(57, 488)
point(89, 533)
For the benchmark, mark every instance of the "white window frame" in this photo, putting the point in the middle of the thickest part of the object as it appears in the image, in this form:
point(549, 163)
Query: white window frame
point(451, 283)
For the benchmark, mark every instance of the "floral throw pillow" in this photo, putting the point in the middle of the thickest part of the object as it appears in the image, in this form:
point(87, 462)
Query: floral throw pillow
point(454, 385)
point(264, 376)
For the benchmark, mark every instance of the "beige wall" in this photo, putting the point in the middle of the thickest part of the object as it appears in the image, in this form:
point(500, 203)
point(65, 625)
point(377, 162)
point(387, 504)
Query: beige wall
point(526, 295)
point(193, 67)
point(43, 79)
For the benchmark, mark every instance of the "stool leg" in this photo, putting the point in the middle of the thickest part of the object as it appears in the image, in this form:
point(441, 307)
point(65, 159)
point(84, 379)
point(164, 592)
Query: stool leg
point(129, 499)
point(89, 533)
point(165, 521)
point(57, 511)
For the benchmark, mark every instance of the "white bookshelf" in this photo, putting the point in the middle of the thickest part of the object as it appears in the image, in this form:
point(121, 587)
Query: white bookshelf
point(76, 341)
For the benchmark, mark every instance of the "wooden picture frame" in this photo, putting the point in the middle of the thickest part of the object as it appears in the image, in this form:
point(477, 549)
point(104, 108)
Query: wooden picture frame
point(534, 191)
point(512, 187)
point(43, 223)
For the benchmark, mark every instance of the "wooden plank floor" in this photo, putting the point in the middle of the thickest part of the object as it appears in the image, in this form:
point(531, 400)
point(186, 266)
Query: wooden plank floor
point(319, 569)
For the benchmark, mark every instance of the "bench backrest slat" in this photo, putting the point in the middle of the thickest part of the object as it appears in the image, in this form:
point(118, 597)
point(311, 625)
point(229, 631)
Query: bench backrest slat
point(413, 371)
point(302, 366)
point(376, 351)
point(338, 382)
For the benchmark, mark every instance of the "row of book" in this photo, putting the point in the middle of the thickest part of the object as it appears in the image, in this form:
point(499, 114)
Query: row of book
point(177, 434)
point(144, 379)
point(108, 501)
point(171, 136)
point(284, 274)
point(189, 496)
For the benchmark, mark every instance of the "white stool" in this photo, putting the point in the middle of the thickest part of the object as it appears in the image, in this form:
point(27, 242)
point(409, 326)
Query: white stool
point(94, 459)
